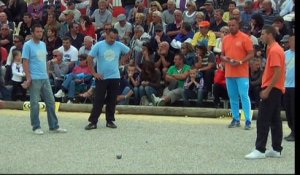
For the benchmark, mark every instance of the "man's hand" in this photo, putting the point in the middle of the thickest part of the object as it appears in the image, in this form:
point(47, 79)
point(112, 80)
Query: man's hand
point(264, 94)
point(26, 84)
point(98, 76)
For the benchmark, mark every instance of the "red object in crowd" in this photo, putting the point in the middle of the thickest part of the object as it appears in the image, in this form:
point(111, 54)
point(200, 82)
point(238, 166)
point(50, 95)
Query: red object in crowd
point(4, 55)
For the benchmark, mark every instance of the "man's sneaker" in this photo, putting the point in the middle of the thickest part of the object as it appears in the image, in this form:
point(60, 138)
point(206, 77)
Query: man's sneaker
point(111, 125)
point(247, 125)
point(290, 138)
point(58, 130)
point(234, 124)
point(161, 102)
point(273, 153)
point(38, 131)
point(91, 126)
point(60, 94)
point(69, 102)
point(255, 155)
point(154, 100)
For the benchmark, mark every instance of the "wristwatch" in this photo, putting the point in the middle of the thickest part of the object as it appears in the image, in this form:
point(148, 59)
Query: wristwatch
point(241, 62)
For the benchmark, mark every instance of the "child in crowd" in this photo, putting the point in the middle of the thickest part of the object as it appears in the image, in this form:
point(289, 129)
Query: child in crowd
point(133, 78)
point(18, 75)
point(193, 87)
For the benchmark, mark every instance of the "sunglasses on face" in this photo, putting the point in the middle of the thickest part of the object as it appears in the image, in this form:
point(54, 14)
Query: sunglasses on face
point(158, 30)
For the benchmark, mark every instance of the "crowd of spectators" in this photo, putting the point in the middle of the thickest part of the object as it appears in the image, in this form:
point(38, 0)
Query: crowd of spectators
point(175, 45)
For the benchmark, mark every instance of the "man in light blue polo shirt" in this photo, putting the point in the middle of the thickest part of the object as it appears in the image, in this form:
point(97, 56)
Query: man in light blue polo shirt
point(107, 54)
point(35, 67)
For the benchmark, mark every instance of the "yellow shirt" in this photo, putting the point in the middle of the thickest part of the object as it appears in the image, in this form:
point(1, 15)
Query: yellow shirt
point(226, 17)
point(208, 40)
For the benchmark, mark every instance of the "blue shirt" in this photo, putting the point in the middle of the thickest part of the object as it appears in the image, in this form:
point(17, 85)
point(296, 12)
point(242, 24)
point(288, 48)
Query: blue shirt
point(107, 58)
point(36, 53)
point(290, 68)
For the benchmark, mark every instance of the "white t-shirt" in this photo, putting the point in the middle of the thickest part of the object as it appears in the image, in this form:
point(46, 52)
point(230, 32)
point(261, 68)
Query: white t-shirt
point(69, 55)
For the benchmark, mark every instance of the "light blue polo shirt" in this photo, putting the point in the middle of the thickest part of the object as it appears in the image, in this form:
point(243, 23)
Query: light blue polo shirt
point(290, 68)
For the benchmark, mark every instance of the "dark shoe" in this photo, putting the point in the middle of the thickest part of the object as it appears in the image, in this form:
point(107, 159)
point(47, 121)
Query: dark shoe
point(234, 124)
point(290, 138)
point(111, 125)
point(247, 125)
point(91, 126)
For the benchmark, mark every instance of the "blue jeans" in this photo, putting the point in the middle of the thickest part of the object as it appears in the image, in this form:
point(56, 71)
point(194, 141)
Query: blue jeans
point(42, 88)
point(124, 92)
point(148, 91)
point(4, 91)
point(239, 87)
point(190, 94)
point(69, 84)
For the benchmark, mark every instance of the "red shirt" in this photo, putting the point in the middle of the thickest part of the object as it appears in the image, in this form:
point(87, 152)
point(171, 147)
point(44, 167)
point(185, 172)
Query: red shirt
point(89, 31)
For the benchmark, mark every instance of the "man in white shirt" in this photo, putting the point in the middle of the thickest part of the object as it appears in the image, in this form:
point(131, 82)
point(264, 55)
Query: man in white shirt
point(70, 53)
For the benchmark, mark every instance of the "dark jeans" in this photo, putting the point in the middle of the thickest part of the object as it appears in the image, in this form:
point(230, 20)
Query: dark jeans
point(269, 117)
point(208, 80)
point(289, 106)
point(4, 91)
point(219, 91)
point(254, 94)
point(18, 92)
point(105, 91)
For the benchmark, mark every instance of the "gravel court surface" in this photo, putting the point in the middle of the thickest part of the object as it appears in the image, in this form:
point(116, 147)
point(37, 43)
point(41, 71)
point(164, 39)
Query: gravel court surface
point(148, 144)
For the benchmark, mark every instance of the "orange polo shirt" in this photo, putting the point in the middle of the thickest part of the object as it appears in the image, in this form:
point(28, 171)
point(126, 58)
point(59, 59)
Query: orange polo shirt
point(237, 47)
point(275, 58)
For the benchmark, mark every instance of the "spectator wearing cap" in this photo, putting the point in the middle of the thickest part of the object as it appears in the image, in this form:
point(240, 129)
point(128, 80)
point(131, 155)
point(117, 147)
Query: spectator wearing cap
point(70, 7)
point(247, 30)
point(123, 27)
point(284, 42)
point(247, 12)
point(174, 28)
point(158, 37)
point(69, 18)
point(281, 28)
point(189, 15)
point(204, 36)
point(101, 15)
point(156, 20)
point(268, 13)
point(35, 8)
point(168, 15)
point(17, 9)
point(209, 11)
point(218, 23)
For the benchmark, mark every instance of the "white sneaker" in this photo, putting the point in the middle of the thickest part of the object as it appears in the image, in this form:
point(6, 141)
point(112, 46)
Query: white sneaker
point(58, 130)
point(60, 94)
point(154, 99)
point(272, 153)
point(255, 155)
point(38, 131)
point(69, 102)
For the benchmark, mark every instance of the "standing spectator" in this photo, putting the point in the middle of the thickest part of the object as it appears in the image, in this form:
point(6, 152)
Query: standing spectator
point(168, 15)
point(70, 53)
point(237, 49)
point(255, 81)
point(34, 63)
point(273, 88)
point(18, 77)
point(87, 27)
point(124, 28)
point(205, 36)
point(107, 54)
point(75, 35)
point(17, 9)
point(35, 8)
point(289, 96)
point(175, 77)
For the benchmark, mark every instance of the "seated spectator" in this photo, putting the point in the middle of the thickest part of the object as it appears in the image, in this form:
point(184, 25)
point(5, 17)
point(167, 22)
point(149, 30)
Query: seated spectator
point(35, 8)
point(75, 35)
point(55, 3)
point(267, 12)
point(247, 12)
point(4, 20)
point(228, 15)
point(185, 35)
point(205, 36)
point(49, 11)
point(156, 20)
point(64, 27)
point(209, 11)
point(125, 93)
point(174, 28)
point(57, 69)
point(70, 53)
point(219, 86)
point(6, 37)
point(18, 75)
point(257, 23)
point(164, 58)
point(139, 7)
point(223, 32)
point(132, 77)
point(70, 8)
point(284, 42)
point(193, 88)
point(159, 37)
point(148, 53)
point(175, 78)
point(51, 23)
point(124, 28)
point(17, 9)
point(200, 16)
point(255, 81)
point(139, 19)
point(219, 23)
point(25, 28)
point(101, 15)
point(189, 15)
point(189, 54)
point(154, 6)
point(168, 15)
point(87, 45)
point(247, 30)
point(80, 74)
point(52, 42)
point(149, 83)
point(281, 28)
point(139, 37)
point(86, 27)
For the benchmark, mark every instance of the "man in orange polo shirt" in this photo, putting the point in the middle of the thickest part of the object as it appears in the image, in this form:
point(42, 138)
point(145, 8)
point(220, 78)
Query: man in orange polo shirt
point(272, 90)
point(237, 49)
